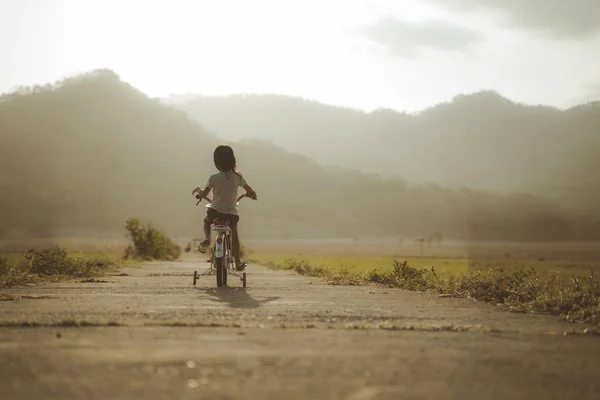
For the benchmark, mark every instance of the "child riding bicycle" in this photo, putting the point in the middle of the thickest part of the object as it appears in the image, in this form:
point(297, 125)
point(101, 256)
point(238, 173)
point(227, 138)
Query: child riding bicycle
point(224, 185)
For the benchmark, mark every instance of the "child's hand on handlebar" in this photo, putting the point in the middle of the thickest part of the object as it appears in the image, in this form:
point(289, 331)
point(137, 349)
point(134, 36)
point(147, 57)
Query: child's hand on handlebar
point(201, 194)
point(250, 192)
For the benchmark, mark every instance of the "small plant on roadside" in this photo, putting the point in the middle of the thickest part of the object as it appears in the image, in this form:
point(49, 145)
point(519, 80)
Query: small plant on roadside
point(56, 262)
point(334, 278)
point(51, 263)
point(13, 275)
point(149, 243)
point(517, 289)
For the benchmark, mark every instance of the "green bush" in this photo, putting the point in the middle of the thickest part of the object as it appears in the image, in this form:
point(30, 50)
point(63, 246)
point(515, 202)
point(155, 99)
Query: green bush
point(56, 262)
point(50, 263)
point(519, 289)
point(13, 275)
point(148, 243)
point(405, 277)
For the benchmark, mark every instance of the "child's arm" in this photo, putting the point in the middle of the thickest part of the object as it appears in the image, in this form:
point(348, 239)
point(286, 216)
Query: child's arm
point(250, 192)
point(203, 192)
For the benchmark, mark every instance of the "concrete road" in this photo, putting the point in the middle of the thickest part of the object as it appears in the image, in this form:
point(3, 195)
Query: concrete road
point(150, 334)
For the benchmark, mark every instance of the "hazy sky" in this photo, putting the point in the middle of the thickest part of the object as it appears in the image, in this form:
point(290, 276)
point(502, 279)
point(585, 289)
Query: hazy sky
point(401, 54)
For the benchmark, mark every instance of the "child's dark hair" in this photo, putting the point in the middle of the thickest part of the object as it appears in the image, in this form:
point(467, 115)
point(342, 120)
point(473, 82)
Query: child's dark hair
point(225, 159)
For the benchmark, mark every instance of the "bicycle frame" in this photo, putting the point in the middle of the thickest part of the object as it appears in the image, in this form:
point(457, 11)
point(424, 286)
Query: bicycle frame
point(221, 260)
point(223, 242)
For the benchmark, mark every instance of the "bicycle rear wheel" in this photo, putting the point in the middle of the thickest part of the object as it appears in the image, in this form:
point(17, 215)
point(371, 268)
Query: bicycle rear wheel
point(224, 270)
point(221, 263)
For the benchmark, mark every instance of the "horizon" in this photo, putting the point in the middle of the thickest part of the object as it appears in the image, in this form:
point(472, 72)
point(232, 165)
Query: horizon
point(368, 111)
point(168, 99)
point(363, 55)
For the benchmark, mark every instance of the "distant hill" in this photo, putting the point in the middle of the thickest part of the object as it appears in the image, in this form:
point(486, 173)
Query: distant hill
point(480, 141)
point(82, 155)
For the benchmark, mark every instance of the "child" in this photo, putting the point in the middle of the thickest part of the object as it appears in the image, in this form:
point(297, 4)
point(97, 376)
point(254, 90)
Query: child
point(224, 185)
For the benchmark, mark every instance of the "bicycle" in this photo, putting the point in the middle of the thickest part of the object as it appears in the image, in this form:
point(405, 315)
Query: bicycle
point(221, 260)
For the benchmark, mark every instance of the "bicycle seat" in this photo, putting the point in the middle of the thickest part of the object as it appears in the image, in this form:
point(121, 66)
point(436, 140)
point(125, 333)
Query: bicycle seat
point(221, 221)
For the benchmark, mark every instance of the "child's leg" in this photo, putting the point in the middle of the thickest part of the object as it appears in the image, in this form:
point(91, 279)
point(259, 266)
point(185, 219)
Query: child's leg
point(235, 244)
point(206, 229)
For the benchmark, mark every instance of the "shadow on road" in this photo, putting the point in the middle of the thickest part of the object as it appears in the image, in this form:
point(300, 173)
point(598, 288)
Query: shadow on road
point(236, 297)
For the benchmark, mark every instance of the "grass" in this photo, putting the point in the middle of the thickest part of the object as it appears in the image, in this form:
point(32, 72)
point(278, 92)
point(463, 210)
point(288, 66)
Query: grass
point(566, 289)
point(52, 264)
point(114, 257)
point(364, 265)
point(55, 263)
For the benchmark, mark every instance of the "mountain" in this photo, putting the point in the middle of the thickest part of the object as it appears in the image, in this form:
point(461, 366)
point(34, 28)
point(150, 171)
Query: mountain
point(481, 141)
point(80, 156)
point(97, 149)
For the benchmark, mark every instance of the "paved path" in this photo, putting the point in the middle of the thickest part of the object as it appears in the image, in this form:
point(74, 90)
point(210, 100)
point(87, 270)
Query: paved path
point(150, 334)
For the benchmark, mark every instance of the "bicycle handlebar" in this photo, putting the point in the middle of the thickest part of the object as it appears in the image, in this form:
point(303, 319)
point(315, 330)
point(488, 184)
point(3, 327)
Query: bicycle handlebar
point(210, 201)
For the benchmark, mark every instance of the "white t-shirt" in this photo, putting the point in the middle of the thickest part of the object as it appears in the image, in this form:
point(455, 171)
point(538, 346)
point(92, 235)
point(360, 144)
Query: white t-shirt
point(225, 186)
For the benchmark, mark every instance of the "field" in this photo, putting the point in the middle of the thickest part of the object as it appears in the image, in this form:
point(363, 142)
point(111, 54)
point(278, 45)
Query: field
point(27, 261)
point(558, 278)
point(13, 258)
point(73, 245)
point(362, 257)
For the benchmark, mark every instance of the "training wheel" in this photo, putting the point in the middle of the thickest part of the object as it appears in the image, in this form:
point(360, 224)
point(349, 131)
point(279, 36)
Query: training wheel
point(244, 279)
point(195, 277)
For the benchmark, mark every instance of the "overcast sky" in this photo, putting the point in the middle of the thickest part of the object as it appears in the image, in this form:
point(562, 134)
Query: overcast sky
point(400, 54)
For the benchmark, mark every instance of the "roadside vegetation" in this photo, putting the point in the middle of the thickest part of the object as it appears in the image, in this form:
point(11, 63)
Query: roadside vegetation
point(56, 263)
point(558, 288)
point(147, 243)
point(51, 264)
